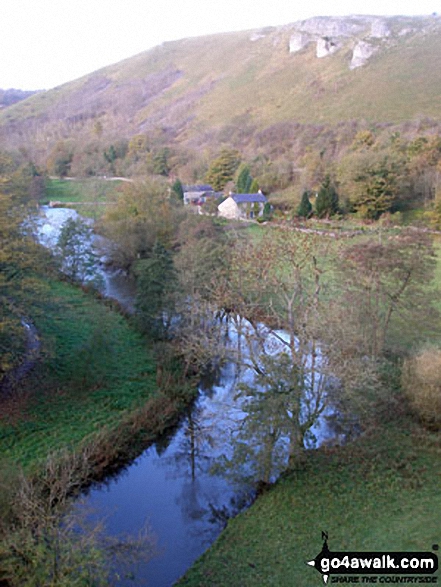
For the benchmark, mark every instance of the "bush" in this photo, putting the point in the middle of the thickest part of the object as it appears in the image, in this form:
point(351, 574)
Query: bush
point(421, 380)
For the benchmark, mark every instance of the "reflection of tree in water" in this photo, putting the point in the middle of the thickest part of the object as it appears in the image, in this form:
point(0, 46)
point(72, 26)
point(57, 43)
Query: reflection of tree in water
point(210, 379)
point(205, 504)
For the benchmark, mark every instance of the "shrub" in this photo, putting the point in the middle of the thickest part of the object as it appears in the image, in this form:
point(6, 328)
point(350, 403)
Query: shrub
point(421, 380)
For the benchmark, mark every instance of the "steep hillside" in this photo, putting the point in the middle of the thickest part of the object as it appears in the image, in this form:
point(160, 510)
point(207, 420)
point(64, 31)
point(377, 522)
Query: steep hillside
point(319, 71)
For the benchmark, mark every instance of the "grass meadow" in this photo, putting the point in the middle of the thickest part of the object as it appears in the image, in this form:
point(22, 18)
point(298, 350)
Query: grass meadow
point(88, 196)
point(93, 370)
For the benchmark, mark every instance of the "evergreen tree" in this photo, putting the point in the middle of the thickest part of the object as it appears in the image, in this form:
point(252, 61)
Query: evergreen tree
point(376, 190)
point(254, 187)
point(178, 190)
point(304, 209)
point(244, 180)
point(327, 199)
point(160, 163)
point(156, 284)
point(223, 168)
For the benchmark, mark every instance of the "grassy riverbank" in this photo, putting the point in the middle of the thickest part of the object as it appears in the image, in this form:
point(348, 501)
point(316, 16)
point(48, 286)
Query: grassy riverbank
point(381, 493)
point(88, 196)
point(94, 371)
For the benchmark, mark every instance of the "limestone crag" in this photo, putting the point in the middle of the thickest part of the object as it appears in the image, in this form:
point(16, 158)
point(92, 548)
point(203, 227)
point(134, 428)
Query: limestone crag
point(334, 26)
point(379, 29)
point(299, 41)
point(326, 47)
point(362, 53)
point(331, 33)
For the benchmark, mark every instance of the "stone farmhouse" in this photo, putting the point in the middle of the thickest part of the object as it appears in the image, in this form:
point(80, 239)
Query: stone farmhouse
point(198, 194)
point(242, 206)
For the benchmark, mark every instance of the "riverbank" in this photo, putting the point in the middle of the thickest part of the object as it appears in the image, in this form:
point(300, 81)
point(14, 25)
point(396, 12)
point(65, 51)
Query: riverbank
point(382, 493)
point(95, 379)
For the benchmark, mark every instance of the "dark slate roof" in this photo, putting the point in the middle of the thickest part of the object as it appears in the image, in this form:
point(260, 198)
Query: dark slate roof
point(198, 188)
point(249, 198)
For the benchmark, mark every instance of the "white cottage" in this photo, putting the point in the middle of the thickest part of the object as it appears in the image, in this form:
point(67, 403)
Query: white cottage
point(242, 206)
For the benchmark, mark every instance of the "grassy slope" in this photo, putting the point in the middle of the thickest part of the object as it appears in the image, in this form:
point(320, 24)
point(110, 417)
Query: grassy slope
point(262, 79)
point(382, 493)
point(198, 84)
point(94, 370)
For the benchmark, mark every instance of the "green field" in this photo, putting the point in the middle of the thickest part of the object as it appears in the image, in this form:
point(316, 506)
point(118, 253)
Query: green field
point(93, 370)
point(382, 493)
point(88, 196)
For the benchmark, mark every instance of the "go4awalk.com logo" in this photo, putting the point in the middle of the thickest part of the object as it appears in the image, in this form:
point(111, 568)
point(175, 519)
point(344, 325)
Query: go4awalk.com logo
point(375, 567)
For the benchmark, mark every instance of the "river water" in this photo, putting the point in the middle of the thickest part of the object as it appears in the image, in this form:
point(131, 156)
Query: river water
point(179, 487)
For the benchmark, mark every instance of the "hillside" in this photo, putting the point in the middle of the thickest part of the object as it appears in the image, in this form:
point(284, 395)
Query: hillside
point(319, 71)
point(12, 96)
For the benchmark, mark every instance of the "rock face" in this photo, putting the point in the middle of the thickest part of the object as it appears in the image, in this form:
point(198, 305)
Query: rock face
point(331, 33)
point(379, 29)
point(326, 47)
point(362, 52)
point(332, 26)
point(257, 36)
point(299, 41)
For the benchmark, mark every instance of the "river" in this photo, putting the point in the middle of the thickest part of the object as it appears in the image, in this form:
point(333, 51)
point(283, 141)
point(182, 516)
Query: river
point(178, 487)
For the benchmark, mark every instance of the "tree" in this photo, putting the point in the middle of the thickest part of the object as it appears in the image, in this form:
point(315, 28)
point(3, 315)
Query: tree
point(110, 156)
point(143, 214)
point(202, 265)
point(326, 203)
point(304, 210)
point(254, 187)
point(160, 162)
point(156, 286)
point(273, 281)
point(387, 291)
point(372, 181)
point(223, 168)
point(178, 190)
point(45, 540)
point(60, 159)
point(75, 251)
point(138, 146)
point(244, 179)
point(377, 188)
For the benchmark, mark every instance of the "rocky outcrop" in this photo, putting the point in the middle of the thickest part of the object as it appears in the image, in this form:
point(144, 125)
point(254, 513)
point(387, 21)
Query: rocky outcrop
point(362, 52)
point(379, 29)
point(299, 41)
point(332, 26)
point(332, 33)
point(257, 36)
point(326, 47)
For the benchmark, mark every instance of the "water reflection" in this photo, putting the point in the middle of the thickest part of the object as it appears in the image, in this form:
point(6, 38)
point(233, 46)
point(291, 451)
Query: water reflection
point(191, 481)
point(171, 486)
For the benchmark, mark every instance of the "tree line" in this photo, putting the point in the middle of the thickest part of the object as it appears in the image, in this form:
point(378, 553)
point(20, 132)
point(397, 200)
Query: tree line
point(372, 171)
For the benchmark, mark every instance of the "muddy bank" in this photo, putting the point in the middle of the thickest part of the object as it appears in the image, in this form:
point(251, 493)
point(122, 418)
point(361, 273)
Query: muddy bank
point(12, 379)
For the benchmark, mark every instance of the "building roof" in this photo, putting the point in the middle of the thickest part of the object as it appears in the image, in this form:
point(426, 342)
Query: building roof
point(197, 188)
point(249, 198)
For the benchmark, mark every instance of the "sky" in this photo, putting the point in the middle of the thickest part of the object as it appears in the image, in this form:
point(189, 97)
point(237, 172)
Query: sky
point(45, 43)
